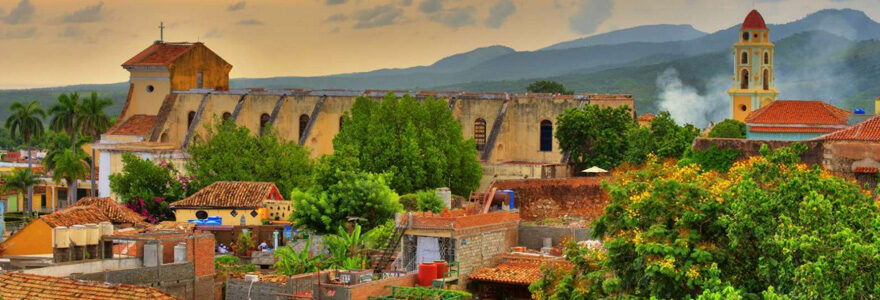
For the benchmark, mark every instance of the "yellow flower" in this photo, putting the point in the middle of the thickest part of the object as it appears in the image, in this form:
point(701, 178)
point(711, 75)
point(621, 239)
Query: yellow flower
point(693, 273)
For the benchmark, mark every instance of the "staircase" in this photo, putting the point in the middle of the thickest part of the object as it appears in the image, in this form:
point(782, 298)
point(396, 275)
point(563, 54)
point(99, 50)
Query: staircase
point(391, 248)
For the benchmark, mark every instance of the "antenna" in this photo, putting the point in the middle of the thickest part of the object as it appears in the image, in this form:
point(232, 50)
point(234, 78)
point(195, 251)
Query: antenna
point(161, 32)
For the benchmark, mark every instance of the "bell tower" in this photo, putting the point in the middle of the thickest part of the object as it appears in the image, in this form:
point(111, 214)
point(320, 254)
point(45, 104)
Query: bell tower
point(753, 68)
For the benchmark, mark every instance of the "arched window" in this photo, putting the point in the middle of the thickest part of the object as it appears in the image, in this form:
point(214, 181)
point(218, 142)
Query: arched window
point(480, 133)
point(744, 79)
point(766, 79)
point(227, 116)
point(164, 137)
point(745, 36)
point(189, 118)
point(303, 122)
point(264, 120)
point(744, 58)
point(546, 136)
point(766, 58)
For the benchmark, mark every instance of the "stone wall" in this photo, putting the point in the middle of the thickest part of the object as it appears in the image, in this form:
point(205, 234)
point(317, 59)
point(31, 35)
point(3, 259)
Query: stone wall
point(532, 236)
point(176, 279)
point(813, 155)
point(479, 247)
point(238, 289)
point(539, 199)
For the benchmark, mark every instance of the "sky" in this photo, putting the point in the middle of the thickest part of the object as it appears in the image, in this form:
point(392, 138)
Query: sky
point(61, 42)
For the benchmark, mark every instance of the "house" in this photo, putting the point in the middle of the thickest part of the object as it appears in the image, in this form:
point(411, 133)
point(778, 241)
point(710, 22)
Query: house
point(795, 120)
point(36, 238)
point(31, 286)
point(234, 202)
point(510, 279)
point(854, 152)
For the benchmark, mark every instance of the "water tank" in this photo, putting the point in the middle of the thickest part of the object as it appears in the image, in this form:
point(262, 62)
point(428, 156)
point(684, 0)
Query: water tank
point(106, 228)
point(151, 254)
point(180, 252)
point(78, 235)
point(859, 111)
point(93, 234)
point(427, 273)
point(446, 195)
point(62, 237)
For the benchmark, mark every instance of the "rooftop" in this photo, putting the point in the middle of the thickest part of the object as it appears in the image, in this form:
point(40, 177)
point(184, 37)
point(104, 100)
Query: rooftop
point(865, 131)
point(798, 112)
point(231, 194)
point(135, 125)
point(79, 215)
point(754, 20)
point(29, 286)
point(116, 212)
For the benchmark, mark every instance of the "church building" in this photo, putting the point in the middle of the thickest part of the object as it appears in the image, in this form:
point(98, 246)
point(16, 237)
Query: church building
point(753, 68)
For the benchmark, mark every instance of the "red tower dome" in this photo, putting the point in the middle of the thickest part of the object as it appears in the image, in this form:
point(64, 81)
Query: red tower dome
point(754, 21)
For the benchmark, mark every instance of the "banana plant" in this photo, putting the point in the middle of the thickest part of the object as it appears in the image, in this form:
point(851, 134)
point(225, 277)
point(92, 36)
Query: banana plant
point(290, 262)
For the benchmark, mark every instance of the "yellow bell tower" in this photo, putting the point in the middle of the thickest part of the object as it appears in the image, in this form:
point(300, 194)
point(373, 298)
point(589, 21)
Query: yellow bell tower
point(753, 68)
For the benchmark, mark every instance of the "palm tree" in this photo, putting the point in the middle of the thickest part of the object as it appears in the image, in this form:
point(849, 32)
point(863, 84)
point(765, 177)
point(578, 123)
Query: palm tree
point(26, 122)
point(56, 148)
point(20, 181)
point(70, 166)
point(64, 116)
point(92, 122)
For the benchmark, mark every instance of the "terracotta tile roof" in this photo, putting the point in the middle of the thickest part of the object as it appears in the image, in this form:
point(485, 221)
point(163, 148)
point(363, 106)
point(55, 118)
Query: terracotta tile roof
point(754, 20)
point(868, 170)
point(510, 273)
point(798, 112)
point(159, 54)
point(117, 213)
point(231, 194)
point(75, 216)
point(792, 129)
point(865, 131)
point(30, 286)
point(646, 118)
point(135, 125)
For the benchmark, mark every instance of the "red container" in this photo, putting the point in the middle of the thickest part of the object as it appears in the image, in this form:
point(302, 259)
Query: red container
point(427, 274)
point(442, 269)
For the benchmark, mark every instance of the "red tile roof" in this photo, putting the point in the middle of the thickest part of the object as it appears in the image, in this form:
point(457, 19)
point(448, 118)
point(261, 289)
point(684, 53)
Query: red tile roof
point(646, 118)
point(868, 130)
point(231, 194)
point(117, 213)
point(159, 54)
point(868, 170)
point(510, 273)
point(135, 125)
point(30, 286)
point(798, 112)
point(754, 20)
point(805, 129)
point(79, 215)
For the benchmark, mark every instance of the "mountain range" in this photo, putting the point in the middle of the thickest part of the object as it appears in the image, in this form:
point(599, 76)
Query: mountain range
point(622, 61)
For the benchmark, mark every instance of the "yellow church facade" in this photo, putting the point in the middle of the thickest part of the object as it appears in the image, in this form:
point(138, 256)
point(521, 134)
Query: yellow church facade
point(753, 79)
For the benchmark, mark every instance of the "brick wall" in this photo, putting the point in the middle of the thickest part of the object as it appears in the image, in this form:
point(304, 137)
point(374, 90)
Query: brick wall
point(382, 287)
point(539, 199)
point(532, 236)
point(479, 248)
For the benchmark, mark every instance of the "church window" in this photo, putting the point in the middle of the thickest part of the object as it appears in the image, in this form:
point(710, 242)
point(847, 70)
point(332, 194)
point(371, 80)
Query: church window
point(742, 107)
point(745, 36)
point(480, 133)
point(164, 137)
point(201, 215)
point(744, 80)
point(189, 118)
point(303, 122)
point(150, 88)
point(546, 138)
point(766, 79)
point(264, 120)
point(744, 58)
point(200, 79)
point(227, 116)
point(766, 58)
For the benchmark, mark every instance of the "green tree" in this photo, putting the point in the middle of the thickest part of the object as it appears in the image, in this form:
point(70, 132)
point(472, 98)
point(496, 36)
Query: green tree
point(714, 158)
point(729, 128)
point(544, 86)
point(148, 188)
point(663, 137)
point(92, 122)
point(26, 122)
point(19, 181)
point(344, 245)
point(290, 262)
point(232, 153)
point(56, 144)
point(419, 142)
point(428, 200)
point(65, 114)
point(354, 194)
point(594, 136)
point(69, 166)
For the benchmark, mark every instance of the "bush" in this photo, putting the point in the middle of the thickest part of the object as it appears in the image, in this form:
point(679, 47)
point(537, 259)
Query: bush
point(718, 159)
point(356, 194)
point(729, 128)
point(428, 200)
point(410, 202)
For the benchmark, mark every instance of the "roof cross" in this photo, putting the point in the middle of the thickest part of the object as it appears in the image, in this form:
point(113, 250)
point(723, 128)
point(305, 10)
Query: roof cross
point(161, 32)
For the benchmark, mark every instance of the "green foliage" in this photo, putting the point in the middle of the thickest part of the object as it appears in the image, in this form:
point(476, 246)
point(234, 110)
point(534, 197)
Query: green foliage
point(346, 248)
point(92, 120)
point(65, 114)
point(418, 142)
point(729, 128)
point(328, 204)
point(232, 153)
point(428, 200)
point(26, 120)
point(229, 264)
point(663, 137)
point(245, 242)
point(70, 166)
point(714, 158)
point(544, 86)
point(594, 135)
point(410, 202)
point(19, 180)
point(428, 293)
point(148, 187)
point(378, 237)
point(290, 262)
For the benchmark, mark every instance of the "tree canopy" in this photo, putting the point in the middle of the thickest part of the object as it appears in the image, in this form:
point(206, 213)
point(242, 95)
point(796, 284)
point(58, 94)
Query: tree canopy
point(663, 137)
point(418, 142)
point(147, 187)
point(729, 128)
point(232, 153)
point(594, 136)
point(544, 86)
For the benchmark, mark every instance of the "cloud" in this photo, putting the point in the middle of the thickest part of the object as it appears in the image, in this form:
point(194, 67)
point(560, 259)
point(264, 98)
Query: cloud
point(405, 3)
point(19, 33)
point(236, 6)
point(213, 33)
point(71, 32)
point(378, 16)
point(249, 22)
point(20, 14)
point(431, 6)
point(455, 17)
point(91, 13)
point(336, 18)
point(499, 12)
point(590, 15)
point(335, 2)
